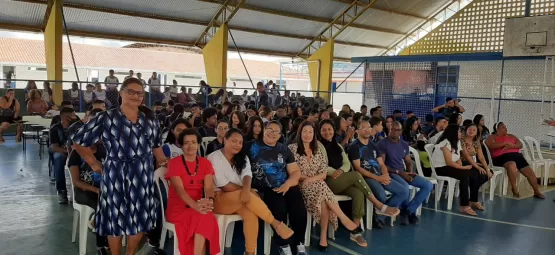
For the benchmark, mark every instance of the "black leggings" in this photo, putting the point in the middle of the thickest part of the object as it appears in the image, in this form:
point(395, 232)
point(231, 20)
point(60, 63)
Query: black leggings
point(468, 179)
point(291, 204)
point(90, 199)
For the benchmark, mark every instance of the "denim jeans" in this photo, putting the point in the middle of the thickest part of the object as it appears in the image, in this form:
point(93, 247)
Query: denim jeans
point(424, 186)
point(59, 162)
point(399, 193)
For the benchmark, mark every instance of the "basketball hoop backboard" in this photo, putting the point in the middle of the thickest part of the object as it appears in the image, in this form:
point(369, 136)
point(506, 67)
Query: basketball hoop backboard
point(529, 36)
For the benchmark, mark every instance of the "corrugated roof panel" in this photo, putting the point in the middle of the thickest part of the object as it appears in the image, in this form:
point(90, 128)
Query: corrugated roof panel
point(344, 51)
point(423, 8)
point(189, 9)
point(387, 20)
point(266, 42)
point(21, 13)
point(358, 35)
point(93, 21)
point(274, 23)
point(318, 8)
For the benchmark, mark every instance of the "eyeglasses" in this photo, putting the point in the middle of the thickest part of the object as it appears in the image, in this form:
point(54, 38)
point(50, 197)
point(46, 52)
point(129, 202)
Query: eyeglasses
point(133, 92)
point(271, 131)
point(222, 128)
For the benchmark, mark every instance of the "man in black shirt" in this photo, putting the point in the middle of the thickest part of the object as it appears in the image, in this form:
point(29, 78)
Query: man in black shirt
point(210, 119)
point(58, 142)
point(262, 95)
point(56, 119)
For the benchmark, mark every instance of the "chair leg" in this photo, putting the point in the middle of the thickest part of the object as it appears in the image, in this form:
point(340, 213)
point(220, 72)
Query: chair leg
point(369, 214)
point(83, 231)
point(75, 225)
point(267, 238)
point(492, 187)
point(450, 194)
point(436, 198)
point(229, 234)
point(163, 237)
point(308, 230)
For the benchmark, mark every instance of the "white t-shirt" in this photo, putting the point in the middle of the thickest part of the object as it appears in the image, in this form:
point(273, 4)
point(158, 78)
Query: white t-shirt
point(434, 138)
point(100, 95)
point(88, 96)
point(171, 150)
point(45, 95)
point(173, 91)
point(74, 93)
point(438, 160)
point(224, 171)
point(111, 82)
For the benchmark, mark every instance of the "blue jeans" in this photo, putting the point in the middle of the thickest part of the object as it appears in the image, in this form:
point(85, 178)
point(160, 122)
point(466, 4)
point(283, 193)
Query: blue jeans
point(59, 162)
point(399, 193)
point(424, 186)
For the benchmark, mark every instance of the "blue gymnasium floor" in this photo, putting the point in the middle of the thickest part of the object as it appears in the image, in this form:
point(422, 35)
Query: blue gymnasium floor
point(32, 222)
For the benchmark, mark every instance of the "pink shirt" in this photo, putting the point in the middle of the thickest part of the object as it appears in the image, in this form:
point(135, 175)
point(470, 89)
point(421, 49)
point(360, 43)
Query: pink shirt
point(501, 139)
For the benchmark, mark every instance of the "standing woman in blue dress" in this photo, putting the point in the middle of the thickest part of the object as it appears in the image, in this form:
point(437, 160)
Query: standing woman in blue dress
point(130, 133)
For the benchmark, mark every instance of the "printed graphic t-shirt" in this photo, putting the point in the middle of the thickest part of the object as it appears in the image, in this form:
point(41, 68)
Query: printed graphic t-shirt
point(269, 163)
point(367, 154)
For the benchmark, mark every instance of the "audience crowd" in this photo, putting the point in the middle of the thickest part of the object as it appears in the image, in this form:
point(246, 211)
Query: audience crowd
point(276, 158)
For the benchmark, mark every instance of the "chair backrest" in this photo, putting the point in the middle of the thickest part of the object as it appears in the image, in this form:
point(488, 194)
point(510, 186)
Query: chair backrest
point(416, 160)
point(534, 146)
point(160, 177)
point(204, 144)
point(72, 186)
point(525, 150)
point(429, 148)
point(486, 152)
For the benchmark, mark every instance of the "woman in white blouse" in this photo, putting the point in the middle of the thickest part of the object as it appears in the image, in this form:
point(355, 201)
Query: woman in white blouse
point(446, 159)
point(233, 190)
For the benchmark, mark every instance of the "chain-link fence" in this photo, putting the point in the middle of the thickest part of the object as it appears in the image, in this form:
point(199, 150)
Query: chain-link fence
point(519, 92)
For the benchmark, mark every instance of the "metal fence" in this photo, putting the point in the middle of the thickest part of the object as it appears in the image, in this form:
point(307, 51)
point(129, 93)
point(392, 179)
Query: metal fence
point(519, 92)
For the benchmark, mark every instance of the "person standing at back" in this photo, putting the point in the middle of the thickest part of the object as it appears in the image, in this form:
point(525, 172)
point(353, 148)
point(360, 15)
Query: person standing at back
point(262, 95)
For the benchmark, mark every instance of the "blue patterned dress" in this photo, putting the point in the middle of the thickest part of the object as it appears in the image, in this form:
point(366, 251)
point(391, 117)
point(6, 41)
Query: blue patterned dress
point(127, 203)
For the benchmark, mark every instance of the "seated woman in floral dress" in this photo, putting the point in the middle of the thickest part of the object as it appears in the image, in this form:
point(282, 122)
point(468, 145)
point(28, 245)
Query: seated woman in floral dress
point(191, 197)
point(320, 201)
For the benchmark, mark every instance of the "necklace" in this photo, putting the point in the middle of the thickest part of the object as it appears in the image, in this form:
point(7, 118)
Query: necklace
point(187, 168)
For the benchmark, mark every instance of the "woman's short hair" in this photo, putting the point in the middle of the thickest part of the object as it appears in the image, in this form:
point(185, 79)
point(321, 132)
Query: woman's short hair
point(187, 132)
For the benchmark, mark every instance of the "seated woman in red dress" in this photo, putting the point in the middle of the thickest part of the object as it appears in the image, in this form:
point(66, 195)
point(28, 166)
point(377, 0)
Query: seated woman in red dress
point(190, 176)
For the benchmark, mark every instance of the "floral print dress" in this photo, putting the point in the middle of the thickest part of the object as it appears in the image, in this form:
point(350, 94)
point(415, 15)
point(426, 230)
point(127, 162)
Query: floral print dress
point(315, 192)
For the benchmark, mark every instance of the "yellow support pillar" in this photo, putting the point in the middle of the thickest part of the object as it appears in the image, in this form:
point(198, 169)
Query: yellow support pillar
point(53, 35)
point(320, 67)
point(215, 59)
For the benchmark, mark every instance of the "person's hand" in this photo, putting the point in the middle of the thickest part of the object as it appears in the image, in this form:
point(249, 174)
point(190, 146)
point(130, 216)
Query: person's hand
point(350, 132)
point(96, 190)
point(309, 180)
point(337, 173)
point(96, 166)
point(384, 179)
point(245, 196)
point(204, 206)
point(468, 167)
point(482, 171)
point(283, 188)
point(549, 122)
point(490, 174)
point(405, 176)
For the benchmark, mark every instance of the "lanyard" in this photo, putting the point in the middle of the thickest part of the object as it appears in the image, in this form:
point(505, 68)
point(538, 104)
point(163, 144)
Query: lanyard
point(187, 168)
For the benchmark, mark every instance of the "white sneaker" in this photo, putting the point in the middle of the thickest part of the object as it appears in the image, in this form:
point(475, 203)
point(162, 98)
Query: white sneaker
point(301, 249)
point(285, 250)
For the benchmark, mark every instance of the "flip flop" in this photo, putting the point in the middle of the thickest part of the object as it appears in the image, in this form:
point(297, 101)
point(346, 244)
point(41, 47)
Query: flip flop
point(478, 206)
point(469, 211)
point(540, 196)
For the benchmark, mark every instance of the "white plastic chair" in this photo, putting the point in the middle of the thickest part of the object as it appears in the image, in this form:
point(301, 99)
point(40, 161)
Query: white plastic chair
point(451, 182)
point(81, 215)
point(497, 171)
point(204, 144)
point(369, 211)
point(159, 176)
point(534, 145)
point(421, 173)
point(227, 226)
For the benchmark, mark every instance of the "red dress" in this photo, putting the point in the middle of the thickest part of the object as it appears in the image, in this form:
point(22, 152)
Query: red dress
point(188, 221)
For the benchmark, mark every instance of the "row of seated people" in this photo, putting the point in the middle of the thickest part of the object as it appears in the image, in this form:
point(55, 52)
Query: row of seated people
point(379, 164)
point(282, 178)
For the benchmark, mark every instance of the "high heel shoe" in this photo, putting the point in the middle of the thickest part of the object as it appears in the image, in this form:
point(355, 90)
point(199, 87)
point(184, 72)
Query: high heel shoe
point(322, 248)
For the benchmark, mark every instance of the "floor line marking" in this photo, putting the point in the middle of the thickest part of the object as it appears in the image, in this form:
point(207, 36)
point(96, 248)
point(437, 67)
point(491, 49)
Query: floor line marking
point(338, 246)
point(490, 220)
